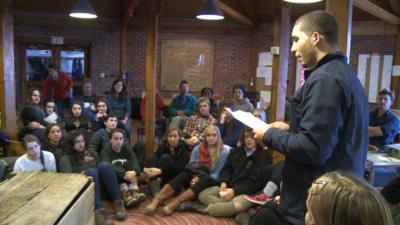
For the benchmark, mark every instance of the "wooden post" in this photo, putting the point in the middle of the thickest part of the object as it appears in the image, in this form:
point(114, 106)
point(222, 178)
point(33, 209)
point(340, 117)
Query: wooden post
point(395, 83)
point(253, 60)
point(280, 65)
point(343, 11)
point(150, 61)
point(129, 7)
point(8, 114)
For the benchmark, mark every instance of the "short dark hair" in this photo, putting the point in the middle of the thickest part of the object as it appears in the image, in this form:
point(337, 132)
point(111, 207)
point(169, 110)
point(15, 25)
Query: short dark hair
point(117, 130)
point(322, 22)
point(183, 82)
point(388, 92)
point(238, 86)
point(111, 114)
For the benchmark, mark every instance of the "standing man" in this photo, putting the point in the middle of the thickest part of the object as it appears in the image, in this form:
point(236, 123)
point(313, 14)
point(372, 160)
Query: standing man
point(329, 119)
point(383, 123)
point(59, 84)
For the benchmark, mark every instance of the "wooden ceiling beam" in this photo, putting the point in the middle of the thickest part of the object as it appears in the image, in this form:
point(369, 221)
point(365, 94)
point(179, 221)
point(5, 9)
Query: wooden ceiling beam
point(377, 11)
point(232, 13)
point(249, 7)
point(129, 9)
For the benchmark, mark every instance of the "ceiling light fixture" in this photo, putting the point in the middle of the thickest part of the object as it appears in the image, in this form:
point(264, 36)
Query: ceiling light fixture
point(303, 1)
point(83, 10)
point(210, 11)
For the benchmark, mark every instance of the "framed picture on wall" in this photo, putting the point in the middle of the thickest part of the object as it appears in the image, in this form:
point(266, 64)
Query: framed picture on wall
point(191, 60)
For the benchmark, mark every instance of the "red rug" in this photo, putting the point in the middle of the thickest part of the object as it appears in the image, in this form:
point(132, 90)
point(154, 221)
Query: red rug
point(136, 216)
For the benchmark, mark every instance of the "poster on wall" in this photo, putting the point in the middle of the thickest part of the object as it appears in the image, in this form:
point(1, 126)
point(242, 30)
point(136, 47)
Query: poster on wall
point(191, 60)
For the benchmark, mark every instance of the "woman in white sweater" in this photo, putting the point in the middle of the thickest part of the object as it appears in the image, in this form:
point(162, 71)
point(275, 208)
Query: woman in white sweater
point(35, 159)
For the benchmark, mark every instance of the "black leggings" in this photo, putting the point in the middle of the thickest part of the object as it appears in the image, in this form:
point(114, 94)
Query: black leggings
point(184, 178)
point(268, 215)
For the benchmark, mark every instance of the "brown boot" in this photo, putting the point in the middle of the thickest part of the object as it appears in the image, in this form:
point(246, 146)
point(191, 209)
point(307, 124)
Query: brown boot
point(165, 193)
point(128, 199)
point(119, 209)
point(173, 205)
point(101, 217)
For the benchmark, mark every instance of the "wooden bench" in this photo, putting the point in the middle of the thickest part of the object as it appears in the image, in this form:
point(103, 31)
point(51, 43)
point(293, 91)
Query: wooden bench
point(47, 198)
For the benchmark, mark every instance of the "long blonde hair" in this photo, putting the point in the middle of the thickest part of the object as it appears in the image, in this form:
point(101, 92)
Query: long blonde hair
point(214, 150)
point(338, 198)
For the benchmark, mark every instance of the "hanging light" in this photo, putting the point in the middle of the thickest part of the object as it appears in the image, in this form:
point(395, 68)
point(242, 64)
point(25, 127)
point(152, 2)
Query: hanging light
point(302, 1)
point(210, 11)
point(83, 10)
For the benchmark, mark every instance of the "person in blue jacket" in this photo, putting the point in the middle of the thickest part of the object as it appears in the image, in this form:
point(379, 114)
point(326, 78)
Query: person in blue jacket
point(328, 127)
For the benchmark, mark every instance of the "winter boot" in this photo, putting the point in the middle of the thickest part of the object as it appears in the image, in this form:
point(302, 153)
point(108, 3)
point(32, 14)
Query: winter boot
point(166, 192)
point(119, 209)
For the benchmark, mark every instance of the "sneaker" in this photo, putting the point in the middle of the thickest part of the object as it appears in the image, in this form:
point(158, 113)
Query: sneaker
point(137, 197)
point(101, 217)
point(260, 199)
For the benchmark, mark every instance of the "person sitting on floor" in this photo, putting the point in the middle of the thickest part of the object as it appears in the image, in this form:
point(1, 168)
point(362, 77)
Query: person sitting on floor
point(208, 93)
point(32, 116)
point(50, 111)
point(202, 171)
point(88, 99)
point(76, 120)
point(383, 123)
point(338, 198)
point(195, 125)
point(101, 137)
point(54, 142)
point(160, 120)
point(102, 173)
point(230, 128)
point(126, 166)
point(34, 159)
point(239, 177)
point(120, 104)
point(182, 106)
point(169, 159)
point(102, 110)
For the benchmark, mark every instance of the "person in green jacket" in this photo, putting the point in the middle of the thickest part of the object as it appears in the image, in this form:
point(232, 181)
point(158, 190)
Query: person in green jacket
point(126, 166)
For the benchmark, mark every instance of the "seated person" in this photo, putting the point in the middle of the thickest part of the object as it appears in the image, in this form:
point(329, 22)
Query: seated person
point(101, 137)
point(230, 128)
point(50, 111)
point(76, 120)
point(202, 171)
point(239, 177)
point(195, 125)
point(383, 123)
point(35, 159)
point(161, 122)
point(32, 116)
point(102, 174)
point(126, 166)
point(182, 106)
point(54, 142)
point(334, 196)
point(102, 110)
point(239, 102)
point(169, 159)
point(88, 99)
point(208, 92)
point(120, 104)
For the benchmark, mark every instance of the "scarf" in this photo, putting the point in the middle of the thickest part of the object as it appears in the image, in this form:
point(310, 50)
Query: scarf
point(204, 156)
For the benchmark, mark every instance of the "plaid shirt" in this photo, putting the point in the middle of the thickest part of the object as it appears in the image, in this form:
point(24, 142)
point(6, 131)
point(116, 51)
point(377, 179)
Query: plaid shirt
point(196, 124)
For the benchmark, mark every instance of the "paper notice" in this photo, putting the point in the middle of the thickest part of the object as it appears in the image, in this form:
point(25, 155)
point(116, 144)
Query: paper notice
point(248, 119)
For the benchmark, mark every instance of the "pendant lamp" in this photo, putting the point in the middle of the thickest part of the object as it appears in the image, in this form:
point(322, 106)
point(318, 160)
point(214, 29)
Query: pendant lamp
point(83, 10)
point(210, 11)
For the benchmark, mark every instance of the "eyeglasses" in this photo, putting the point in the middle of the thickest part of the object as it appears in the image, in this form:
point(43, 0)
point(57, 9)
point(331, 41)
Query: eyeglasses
point(317, 187)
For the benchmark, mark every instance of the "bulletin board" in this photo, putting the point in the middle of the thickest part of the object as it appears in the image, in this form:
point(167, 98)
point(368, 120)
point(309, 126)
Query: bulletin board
point(191, 60)
point(374, 72)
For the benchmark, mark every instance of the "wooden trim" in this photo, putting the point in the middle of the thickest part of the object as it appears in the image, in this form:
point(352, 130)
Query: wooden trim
point(395, 82)
point(377, 11)
point(395, 5)
point(232, 13)
point(376, 27)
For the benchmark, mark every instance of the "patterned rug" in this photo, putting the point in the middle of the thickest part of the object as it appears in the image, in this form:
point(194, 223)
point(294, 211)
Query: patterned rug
point(137, 216)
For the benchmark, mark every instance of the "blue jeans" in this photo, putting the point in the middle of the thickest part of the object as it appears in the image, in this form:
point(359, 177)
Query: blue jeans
point(104, 179)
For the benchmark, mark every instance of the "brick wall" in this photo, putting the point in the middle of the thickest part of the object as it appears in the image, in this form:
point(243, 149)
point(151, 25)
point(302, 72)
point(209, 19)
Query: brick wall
point(231, 55)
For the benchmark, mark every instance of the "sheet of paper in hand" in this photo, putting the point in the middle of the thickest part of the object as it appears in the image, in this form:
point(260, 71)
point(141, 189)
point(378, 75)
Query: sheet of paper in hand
point(248, 119)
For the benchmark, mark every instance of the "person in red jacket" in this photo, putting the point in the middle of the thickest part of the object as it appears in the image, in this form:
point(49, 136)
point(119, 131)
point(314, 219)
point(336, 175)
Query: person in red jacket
point(58, 86)
point(160, 120)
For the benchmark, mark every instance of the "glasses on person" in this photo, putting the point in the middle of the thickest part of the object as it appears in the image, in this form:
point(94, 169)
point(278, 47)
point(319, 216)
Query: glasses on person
point(317, 187)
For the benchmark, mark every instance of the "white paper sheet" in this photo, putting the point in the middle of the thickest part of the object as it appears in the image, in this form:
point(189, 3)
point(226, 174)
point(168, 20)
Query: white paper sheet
point(396, 70)
point(373, 78)
point(248, 119)
point(268, 75)
point(387, 71)
point(362, 68)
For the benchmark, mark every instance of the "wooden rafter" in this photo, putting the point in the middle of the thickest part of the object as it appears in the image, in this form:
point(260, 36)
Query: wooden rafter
point(129, 9)
point(249, 7)
point(377, 11)
point(232, 13)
